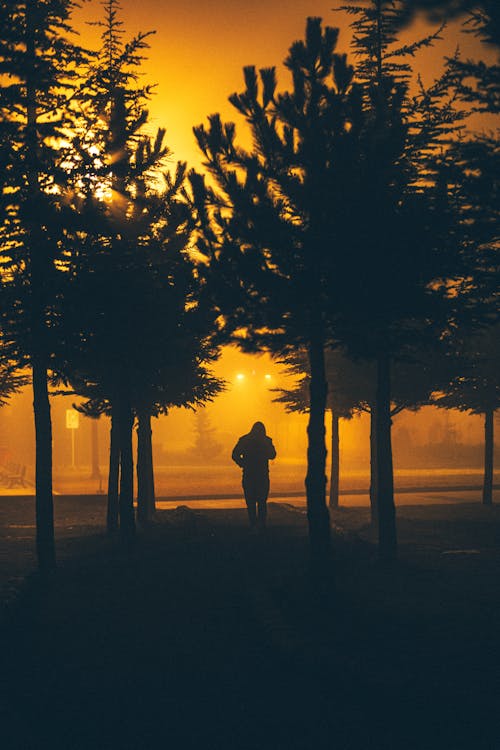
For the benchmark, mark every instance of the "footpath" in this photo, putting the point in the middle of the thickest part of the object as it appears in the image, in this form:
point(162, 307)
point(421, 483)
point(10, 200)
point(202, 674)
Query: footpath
point(207, 636)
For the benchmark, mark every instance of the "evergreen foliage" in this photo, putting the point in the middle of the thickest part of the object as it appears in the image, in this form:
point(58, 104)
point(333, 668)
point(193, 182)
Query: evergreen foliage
point(483, 14)
point(272, 224)
point(337, 225)
point(39, 66)
point(143, 344)
point(206, 447)
point(474, 386)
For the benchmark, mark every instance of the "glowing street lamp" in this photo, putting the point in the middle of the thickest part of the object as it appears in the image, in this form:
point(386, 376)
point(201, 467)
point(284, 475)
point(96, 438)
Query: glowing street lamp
point(72, 423)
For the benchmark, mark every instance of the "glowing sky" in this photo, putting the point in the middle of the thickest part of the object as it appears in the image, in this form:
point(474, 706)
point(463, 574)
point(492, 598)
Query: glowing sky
point(200, 47)
point(196, 58)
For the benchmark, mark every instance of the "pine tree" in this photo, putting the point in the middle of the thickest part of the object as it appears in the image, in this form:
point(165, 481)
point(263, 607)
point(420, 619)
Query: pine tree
point(352, 391)
point(307, 229)
point(475, 388)
point(270, 237)
point(472, 339)
point(476, 82)
point(407, 243)
point(144, 343)
point(206, 447)
point(485, 14)
point(349, 383)
point(40, 78)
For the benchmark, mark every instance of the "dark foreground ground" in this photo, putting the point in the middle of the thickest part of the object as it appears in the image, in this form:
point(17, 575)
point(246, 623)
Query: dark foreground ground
point(208, 637)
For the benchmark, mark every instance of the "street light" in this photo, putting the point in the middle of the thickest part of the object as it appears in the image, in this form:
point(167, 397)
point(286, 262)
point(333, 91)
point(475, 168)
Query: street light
point(72, 423)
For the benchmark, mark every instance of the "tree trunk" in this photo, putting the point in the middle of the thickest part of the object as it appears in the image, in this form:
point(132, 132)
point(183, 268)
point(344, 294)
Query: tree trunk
point(489, 444)
point(385, 483)
point(142, 481)
point(112, 518)
point(126, 500)
point(40, 267)
point(94, 449)
point(152, 493)
point(45, 545)
point(335, 467)
point(145, 472)
point(373, 466)
point(317, 510)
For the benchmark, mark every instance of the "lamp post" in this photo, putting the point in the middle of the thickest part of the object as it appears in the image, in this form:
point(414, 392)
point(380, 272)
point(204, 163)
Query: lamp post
point(72, 424)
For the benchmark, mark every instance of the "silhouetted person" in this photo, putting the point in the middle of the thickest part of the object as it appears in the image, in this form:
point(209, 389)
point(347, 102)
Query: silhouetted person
point(252, 452)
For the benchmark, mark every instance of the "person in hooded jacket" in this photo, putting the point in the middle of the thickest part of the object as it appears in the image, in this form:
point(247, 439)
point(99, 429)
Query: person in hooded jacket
point(252, 453)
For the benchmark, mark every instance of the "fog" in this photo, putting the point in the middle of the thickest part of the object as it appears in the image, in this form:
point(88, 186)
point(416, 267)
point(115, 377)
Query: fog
point(192, 448)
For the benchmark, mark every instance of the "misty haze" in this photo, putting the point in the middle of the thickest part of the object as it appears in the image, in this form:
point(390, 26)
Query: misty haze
point(249, 375)
point(192, 449)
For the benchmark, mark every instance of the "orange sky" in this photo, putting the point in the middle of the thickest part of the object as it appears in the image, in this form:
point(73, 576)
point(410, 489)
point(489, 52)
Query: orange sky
point(201, 46)
point(196, 58)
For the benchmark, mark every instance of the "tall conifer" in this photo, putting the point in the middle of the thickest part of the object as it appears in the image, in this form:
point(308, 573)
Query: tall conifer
point(137, 336)
point(270, 238)
point(39, 64)
point(337, 224)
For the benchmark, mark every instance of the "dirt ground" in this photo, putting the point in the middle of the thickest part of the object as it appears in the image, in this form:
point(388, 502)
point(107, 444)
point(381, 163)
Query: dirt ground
point(207, 636)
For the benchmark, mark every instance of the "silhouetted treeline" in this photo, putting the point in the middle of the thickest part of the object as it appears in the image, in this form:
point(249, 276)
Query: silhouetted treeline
point(363, 220)
point(347, 222)
point(102, 295)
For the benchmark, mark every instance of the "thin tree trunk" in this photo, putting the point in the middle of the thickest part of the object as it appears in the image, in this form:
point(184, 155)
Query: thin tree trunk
point(385, 483)
point(151, 473)
point(112, 517)
point(126, 500)
point(142, 482)
point(317, 510)
point(39, 265)
point(489, 442)
point(335, 466)
point(45, 545)
point(145, 477)
point(373, 466)
point(94, 449)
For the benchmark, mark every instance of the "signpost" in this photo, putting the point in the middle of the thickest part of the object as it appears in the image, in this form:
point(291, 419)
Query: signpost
point(72, 423)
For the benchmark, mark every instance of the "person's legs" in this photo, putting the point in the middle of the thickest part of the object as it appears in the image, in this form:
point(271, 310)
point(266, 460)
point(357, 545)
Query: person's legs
point(250, 500)
point(252, 511)
point(261, 513)
point(262, 502)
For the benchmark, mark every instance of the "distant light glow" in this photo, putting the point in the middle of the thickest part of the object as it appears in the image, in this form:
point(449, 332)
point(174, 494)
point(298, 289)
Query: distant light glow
point(267, 376)
point(240, 376)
